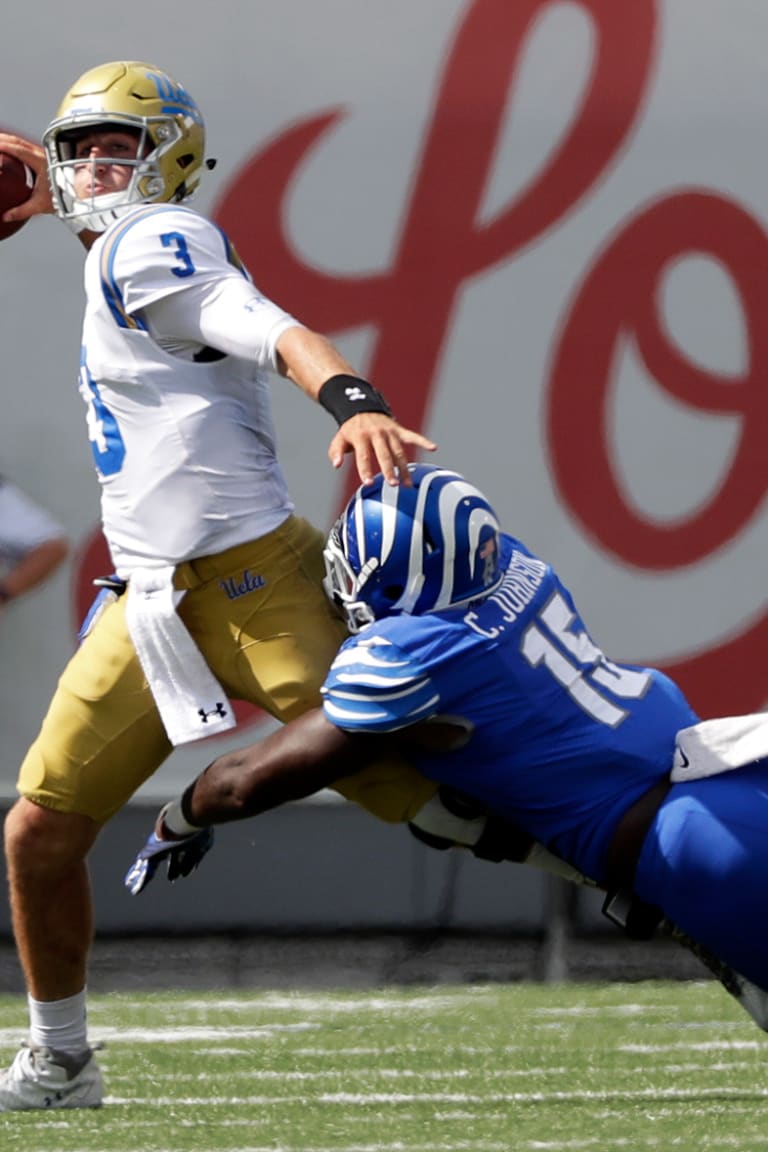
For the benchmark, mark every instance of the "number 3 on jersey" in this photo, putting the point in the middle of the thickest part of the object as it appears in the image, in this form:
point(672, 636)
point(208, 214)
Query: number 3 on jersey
point(176, 241)
point(579, 665)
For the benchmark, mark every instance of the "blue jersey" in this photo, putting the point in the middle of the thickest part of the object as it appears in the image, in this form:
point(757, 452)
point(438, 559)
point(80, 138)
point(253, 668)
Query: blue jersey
point(563, 739)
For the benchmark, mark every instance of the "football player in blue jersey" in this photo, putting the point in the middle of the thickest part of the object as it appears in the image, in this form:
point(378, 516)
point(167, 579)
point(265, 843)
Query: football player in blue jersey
point(468, 654)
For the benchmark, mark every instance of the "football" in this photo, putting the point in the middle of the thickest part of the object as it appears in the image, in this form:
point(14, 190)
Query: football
point(16, 183)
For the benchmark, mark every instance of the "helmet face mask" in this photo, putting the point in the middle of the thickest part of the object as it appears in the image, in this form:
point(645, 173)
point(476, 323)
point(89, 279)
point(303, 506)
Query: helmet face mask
point(126, 96)
point(398, 550)
point(341, 585)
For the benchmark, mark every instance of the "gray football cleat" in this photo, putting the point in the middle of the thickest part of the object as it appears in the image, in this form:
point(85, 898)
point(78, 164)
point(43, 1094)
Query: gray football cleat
point(42, 1078)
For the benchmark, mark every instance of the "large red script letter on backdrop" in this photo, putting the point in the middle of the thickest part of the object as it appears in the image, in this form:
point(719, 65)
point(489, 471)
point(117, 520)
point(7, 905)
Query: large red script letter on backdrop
point(442, 244)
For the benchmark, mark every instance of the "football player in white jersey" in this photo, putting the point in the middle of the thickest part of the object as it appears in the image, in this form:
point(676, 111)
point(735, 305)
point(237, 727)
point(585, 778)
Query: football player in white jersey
point(177, 347)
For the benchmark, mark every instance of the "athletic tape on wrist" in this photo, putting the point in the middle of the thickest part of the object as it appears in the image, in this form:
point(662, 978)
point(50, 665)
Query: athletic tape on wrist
point(344, 396)
point(179, 812)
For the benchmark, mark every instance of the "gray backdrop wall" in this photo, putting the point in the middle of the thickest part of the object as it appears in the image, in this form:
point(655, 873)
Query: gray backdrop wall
point(540, 228)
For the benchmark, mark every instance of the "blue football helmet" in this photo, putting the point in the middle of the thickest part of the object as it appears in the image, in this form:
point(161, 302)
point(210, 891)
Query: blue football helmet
point(397, 550)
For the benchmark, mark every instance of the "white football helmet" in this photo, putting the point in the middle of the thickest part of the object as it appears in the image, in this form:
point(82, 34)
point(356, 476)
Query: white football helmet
point(127, 96)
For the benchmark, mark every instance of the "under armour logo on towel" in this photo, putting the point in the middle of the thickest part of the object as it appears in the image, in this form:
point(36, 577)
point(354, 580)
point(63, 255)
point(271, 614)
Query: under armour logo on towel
point(219, 710)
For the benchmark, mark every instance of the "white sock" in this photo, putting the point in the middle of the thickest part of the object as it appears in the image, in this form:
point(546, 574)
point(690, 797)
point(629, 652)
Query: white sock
point(59, 1024)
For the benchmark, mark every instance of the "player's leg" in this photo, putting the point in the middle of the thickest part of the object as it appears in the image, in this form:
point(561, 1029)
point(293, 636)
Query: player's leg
point(704, 861)
point(753, 999)
point(100, 739)
point(50, 896)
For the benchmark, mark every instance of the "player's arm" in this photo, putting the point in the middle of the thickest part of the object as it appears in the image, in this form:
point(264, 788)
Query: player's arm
point(33, 568)
point(32, 541)
point(307, 754)
point(217, 307)
point(294, 762)
point(366, 426)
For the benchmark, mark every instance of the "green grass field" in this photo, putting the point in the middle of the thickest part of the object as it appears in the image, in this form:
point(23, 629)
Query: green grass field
point(487, 1068)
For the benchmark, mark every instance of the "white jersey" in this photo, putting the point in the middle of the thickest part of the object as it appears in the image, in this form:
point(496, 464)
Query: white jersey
point(184, 447)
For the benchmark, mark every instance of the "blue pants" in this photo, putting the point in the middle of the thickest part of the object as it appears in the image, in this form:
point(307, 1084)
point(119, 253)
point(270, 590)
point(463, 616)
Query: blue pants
point(704, 862)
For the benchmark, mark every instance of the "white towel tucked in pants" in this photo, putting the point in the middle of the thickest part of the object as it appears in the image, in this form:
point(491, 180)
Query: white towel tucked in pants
point(191, 702)
point(715, 746)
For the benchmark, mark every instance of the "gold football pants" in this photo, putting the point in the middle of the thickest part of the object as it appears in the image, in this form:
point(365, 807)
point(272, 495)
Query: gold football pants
point(272, 646)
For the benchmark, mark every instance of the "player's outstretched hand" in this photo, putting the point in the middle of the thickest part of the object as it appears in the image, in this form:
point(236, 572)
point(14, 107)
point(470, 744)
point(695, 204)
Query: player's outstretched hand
point(379, 444)
point(183, 856)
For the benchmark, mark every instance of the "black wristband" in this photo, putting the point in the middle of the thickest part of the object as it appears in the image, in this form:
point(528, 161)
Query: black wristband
point(5, 595)
point(344, 396)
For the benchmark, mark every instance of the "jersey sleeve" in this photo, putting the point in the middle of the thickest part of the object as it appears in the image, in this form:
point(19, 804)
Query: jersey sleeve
point(375, 686)
point(160, 250)
point(176, 273)
point(228, 314)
